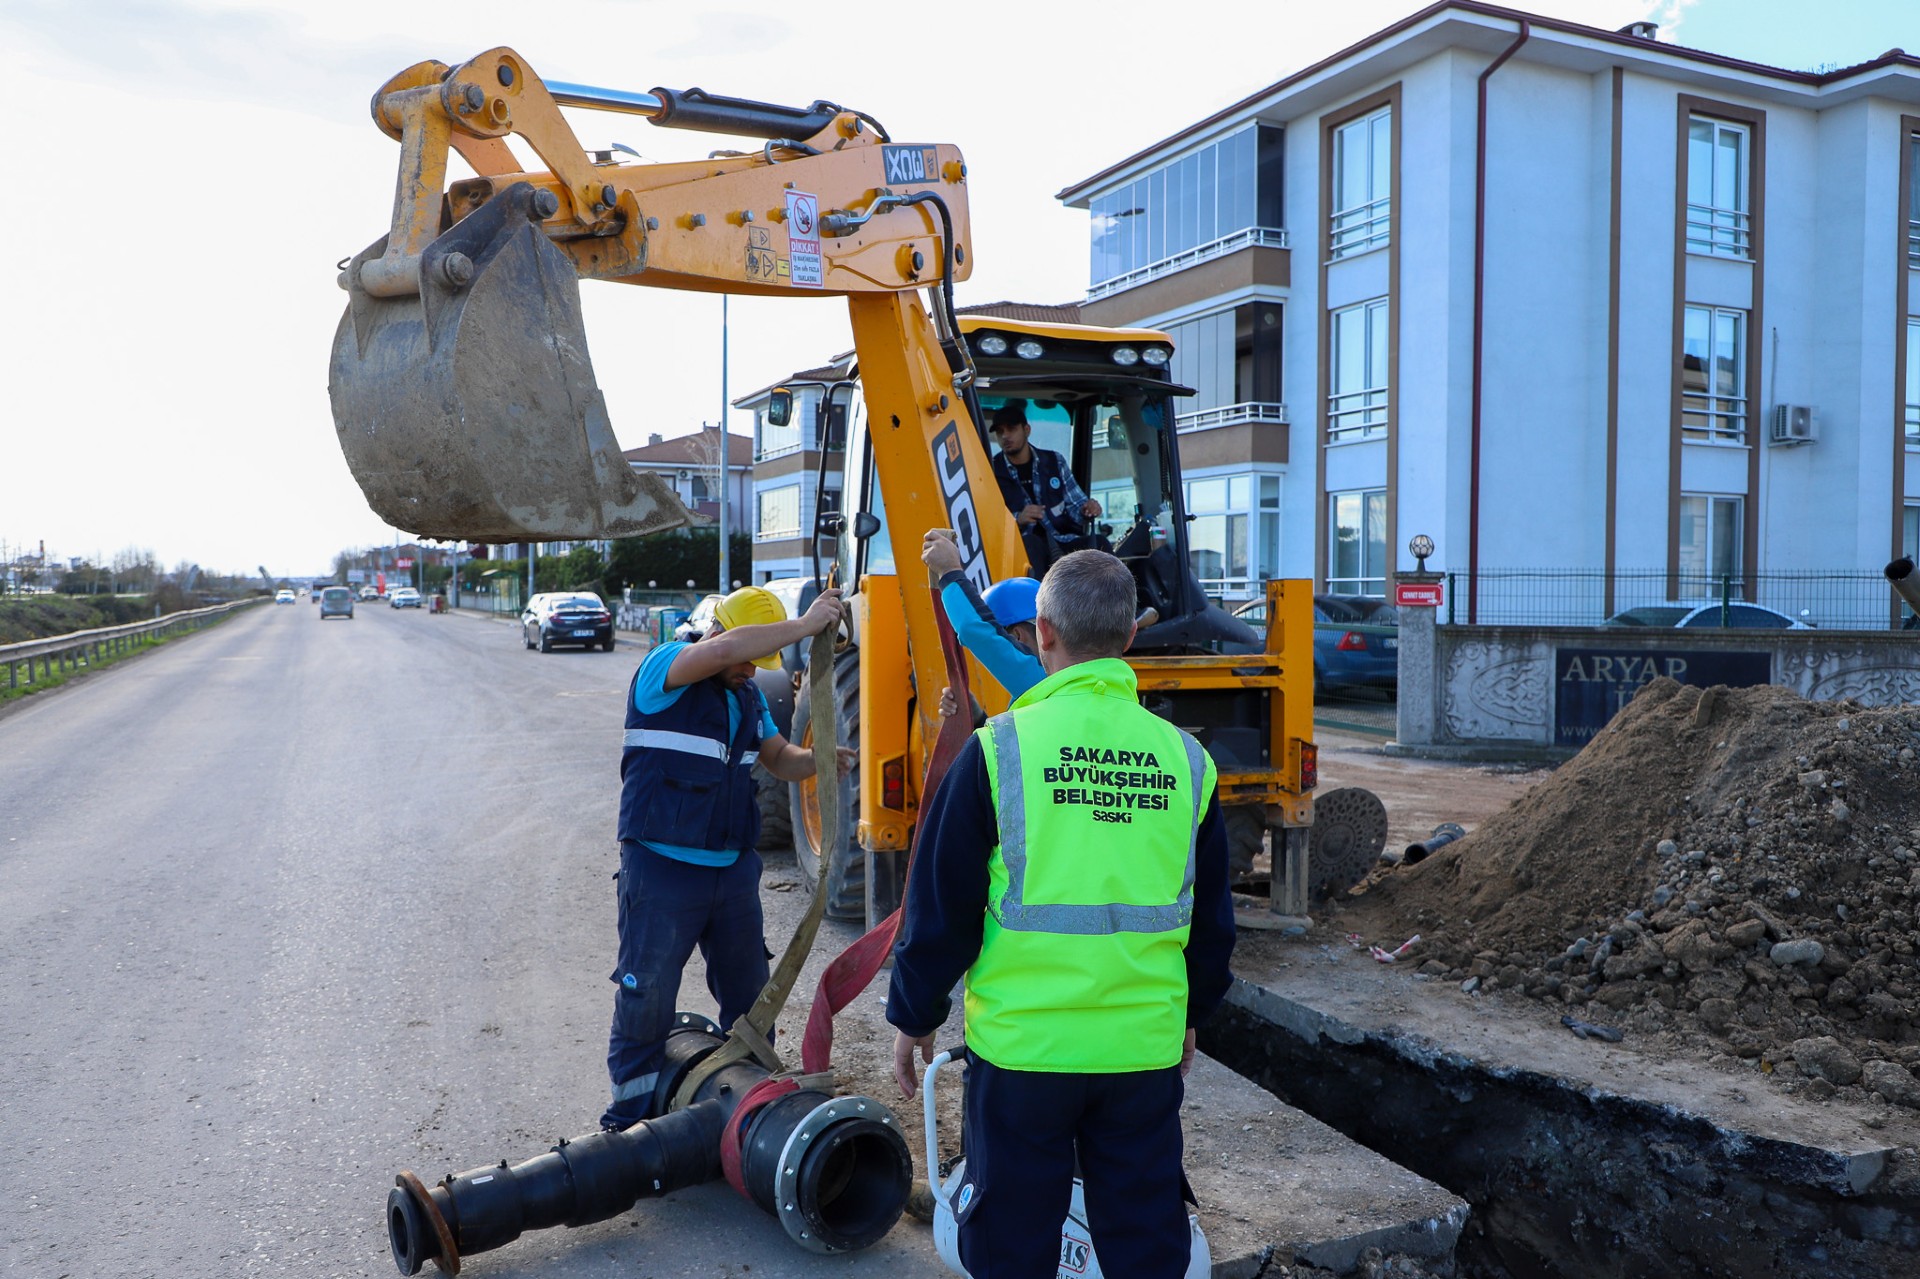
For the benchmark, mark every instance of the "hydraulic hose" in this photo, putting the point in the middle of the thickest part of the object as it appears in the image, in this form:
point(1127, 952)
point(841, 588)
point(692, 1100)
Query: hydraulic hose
point(834, 1171)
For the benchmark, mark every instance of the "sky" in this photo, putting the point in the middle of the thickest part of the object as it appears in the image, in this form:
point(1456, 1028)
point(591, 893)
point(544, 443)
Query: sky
point(199, 166)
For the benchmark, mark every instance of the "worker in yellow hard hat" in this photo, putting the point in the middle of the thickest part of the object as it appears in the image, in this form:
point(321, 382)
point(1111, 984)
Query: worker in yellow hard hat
point(689, 873)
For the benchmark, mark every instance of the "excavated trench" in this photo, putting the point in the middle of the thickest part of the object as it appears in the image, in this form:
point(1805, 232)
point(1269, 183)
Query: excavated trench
point(1570, 1183)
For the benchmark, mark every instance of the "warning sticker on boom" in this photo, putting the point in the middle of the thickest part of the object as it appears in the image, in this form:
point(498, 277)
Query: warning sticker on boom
point(803, 238)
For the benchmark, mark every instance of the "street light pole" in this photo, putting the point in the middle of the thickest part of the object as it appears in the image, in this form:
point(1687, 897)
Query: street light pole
point(725, 576)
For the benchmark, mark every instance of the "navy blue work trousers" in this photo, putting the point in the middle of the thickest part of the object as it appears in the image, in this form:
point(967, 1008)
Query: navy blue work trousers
point(1022, 1128)
point(667, 908)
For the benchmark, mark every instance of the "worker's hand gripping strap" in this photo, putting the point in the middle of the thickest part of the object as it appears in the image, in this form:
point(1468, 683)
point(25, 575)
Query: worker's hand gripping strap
point(852, 970)
point(752, 1035)
point(743, 1112)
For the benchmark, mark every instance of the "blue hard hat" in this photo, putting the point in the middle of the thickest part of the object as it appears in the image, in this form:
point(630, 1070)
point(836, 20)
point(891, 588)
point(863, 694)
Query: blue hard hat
point(1012, 600)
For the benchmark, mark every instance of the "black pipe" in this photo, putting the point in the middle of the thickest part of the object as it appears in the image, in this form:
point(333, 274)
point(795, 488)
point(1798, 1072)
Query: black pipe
point(1443, 834)
point(834, 1171)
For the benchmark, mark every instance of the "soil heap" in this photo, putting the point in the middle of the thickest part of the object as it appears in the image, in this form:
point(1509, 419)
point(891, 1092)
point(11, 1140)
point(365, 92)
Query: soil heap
point(1733, 865)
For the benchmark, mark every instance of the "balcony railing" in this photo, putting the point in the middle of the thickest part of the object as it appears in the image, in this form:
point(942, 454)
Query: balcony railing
point(1724, 233)
point(1232, 415)
point(1913, 244)
point(1260, 237)
point(1363, 227)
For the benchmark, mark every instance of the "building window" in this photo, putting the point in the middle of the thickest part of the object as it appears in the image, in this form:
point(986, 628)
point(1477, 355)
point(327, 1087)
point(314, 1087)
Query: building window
point(1362, 184)
point(775, 441)
point(1710, 538)
point(1257, 333)
point(1913, 201)
point(1217, 531)
point(1718, 195)
point(1357, 543)
point(1220, 191)
point(1910, 415)
point(1910, 532)
point(698, 487)
point(1713, 375)
point(779, 514)
point(1357, 372)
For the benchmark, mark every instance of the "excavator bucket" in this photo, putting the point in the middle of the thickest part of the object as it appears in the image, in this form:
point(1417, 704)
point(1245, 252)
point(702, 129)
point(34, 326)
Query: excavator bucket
point(469, 410)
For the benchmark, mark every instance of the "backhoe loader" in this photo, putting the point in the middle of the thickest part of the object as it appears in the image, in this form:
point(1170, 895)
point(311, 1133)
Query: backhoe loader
point(467, 408)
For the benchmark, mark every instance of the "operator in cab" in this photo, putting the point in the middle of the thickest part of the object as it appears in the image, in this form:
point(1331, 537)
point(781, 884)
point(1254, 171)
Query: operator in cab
point(1052, 511)
point(1073, 867)
point(689, 873)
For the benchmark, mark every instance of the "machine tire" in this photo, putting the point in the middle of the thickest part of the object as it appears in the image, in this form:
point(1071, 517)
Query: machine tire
point(1246, 838)
point(776, 810)
point(847, 869)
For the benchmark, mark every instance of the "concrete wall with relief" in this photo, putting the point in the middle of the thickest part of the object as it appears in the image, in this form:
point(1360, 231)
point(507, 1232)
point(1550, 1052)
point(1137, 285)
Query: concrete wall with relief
point(1477, 688)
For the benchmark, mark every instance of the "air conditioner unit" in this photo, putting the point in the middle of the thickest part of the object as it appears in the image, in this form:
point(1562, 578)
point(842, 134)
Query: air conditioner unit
point(1793, 424)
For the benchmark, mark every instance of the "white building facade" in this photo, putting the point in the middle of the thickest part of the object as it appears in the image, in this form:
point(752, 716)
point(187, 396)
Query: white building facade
point(1560, 298)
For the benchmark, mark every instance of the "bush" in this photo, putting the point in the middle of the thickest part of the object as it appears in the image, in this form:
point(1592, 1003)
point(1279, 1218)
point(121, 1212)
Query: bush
point(674, 558)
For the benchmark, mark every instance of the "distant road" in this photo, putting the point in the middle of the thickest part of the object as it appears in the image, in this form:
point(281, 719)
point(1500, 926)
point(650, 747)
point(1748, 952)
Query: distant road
point(290, 905)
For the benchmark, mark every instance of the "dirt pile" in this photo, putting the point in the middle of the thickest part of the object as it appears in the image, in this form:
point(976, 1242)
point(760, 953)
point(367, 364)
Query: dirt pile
point(1733, 865)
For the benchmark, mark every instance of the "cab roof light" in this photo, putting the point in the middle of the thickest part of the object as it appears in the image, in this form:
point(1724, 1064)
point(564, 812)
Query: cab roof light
point(1155, 356)
point(1125, 356)
point(1029, 349)
point(991, 344)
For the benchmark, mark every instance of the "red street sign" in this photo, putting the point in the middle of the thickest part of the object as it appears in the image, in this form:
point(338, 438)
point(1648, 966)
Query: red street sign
point(1417, 594)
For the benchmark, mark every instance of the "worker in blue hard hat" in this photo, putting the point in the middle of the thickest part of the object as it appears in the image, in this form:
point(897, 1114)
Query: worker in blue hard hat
point(997, 628)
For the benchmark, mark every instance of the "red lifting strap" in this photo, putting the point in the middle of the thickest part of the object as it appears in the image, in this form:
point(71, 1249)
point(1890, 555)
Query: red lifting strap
point(853, 969)
point(757, 1096)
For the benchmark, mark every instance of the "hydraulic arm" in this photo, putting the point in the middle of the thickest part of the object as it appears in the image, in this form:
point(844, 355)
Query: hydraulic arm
point(462, 390)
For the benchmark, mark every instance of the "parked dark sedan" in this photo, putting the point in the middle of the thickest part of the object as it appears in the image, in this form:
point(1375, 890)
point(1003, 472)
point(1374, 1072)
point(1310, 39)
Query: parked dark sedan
point(1356, 641)
point(566, 617)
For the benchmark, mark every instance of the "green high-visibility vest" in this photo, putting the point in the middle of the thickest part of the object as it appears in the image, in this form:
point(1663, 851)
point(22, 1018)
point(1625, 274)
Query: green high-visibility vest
point(1082, 965)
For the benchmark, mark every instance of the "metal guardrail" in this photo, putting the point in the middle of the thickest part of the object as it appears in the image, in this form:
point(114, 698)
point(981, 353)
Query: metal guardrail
point(72, 650)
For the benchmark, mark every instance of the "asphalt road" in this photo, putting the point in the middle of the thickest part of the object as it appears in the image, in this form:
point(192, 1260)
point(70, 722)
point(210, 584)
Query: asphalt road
point(288, 906)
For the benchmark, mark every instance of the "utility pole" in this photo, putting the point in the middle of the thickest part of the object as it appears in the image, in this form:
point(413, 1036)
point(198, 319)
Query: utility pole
point(725, 479)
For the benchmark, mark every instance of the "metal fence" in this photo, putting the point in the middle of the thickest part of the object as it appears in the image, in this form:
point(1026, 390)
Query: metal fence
point(79, 649)
point(1850, 600)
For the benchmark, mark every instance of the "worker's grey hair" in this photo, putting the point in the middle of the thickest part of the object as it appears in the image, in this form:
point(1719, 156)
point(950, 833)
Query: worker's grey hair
point(1088, 598)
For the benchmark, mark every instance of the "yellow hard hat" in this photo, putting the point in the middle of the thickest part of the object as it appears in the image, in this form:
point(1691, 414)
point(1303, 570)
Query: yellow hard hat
point(752, 606)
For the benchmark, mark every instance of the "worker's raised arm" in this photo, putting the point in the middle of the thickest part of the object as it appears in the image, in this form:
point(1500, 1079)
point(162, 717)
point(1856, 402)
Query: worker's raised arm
point(740, 644)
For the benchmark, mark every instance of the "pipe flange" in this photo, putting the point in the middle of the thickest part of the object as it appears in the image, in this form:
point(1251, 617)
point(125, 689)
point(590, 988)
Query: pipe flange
point(697, 1021)
point(786, 1177)
point(448, 1259)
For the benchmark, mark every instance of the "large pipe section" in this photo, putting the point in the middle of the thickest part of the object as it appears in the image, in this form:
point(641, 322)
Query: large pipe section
point(1905, 581)
point(834, 1171)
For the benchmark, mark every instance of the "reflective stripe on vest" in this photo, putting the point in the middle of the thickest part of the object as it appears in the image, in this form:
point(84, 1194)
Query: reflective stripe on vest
point(661, 740)
point(705, 747)
point(1082, 920)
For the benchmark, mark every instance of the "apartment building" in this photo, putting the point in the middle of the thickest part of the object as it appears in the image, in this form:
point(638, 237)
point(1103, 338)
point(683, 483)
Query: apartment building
point(1556, 296)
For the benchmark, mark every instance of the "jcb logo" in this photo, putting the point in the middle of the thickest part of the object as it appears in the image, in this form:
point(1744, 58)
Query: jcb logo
point(951, 464)
point(1073, 1255)
point(910, 164)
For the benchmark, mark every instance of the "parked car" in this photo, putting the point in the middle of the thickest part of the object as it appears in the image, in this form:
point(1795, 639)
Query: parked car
point(336, 601)
point(1345, 660)
point(369, 593)
point(1740, 616)
point(699, 620)
point(405, 597)
point(284, 596)
point(566, 617)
